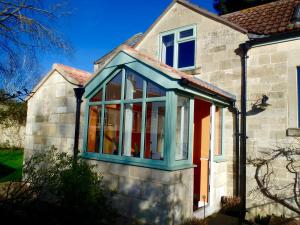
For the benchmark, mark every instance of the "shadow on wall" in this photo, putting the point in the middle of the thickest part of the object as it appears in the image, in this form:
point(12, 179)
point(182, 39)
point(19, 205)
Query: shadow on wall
point(150, 196)
point(270, 208)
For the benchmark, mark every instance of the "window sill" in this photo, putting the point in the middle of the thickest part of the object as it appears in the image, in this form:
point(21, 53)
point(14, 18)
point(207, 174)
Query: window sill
point(150, 164)
point(220, 159)
point(293, 132)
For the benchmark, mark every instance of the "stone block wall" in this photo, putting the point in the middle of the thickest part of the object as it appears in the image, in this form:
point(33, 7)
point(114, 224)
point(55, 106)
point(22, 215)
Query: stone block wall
point(51, 116)
point(149, 195)
point(272, 70)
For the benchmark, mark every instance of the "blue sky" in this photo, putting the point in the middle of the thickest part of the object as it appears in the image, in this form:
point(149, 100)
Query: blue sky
point(97, 26)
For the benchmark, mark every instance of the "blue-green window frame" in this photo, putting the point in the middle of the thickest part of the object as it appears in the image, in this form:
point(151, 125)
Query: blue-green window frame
point(169, 162)
point(177, 41)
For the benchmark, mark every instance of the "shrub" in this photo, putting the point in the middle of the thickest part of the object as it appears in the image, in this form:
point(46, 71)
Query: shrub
point(231, 206)
point(262, 220)
point(58, 191)
point(195, 221)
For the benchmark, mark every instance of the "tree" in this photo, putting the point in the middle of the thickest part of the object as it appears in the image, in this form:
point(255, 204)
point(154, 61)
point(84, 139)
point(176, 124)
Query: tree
point(277, 174)
point(27, 29)
point(228, 6)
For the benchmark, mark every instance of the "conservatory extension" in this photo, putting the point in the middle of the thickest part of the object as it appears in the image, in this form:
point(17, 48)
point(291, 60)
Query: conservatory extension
point(143, 113)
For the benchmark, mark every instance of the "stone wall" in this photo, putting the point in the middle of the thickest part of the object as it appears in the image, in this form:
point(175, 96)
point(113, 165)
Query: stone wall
point(272, 70)
point(150, 195)
point(51, 116)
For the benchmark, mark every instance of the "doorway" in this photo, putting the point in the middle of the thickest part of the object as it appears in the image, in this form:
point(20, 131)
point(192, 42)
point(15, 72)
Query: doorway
point(201, 152)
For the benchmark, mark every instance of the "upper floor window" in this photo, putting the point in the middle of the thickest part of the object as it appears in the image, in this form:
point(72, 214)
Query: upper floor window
point(178, 47)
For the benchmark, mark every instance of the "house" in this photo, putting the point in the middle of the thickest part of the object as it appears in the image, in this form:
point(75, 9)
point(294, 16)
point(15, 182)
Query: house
point(167, 116)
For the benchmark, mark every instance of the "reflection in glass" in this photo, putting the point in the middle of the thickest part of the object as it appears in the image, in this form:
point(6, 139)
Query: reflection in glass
point(132, 129)
point(97, 97)
point(154, 90)
point(168, 49)
point(111, 129)
point(186, 33)
point(186, 54)
point(94, 129)
point(154, 131)
point(182, 128)
point(114, 88)
point(134, 85)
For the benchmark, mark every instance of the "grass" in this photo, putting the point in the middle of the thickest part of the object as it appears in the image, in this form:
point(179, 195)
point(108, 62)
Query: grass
point(11, 163)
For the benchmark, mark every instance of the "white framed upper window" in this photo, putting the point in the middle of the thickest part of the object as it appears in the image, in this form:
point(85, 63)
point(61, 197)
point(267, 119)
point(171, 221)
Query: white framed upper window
point(178, 47)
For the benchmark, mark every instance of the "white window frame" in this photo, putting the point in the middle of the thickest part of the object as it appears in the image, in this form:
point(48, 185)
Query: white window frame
point(177, 41)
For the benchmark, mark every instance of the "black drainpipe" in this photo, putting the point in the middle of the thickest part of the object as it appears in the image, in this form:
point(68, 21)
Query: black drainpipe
point(244, 48)
point(236, 113)
point(79, 91)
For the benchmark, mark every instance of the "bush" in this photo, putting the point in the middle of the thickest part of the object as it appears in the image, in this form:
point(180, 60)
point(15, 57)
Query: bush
point(58, 191)
point(195, 221)
point(262, 220)
point(231, 206)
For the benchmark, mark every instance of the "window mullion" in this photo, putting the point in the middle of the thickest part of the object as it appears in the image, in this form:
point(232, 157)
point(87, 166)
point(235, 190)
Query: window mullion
point(142, 147)
point(102, 120)
point(122, 112)
point(175, 57)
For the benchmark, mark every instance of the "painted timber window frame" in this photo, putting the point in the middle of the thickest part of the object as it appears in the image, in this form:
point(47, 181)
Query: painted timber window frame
point(218, 134)
point(181, 36)
point(163, 159)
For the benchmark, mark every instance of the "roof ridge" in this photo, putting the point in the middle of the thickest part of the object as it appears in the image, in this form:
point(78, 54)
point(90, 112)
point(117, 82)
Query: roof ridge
point(70, 67)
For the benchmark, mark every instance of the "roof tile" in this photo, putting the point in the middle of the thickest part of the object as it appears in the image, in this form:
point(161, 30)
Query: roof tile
point(270, 18)
point(79, 75)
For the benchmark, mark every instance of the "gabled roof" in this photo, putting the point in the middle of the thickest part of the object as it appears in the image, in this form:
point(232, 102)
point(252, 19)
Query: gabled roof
point(131, 42)
point(270, 18)
point(167, 70)
point(72, 75)
point(80, 76)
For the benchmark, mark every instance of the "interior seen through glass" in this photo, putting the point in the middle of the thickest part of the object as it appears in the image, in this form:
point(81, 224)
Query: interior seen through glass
point(114, 87)
point(94, 129)
point(111, 129)
point(132, 130)
point(154, 139)
point(182, 130)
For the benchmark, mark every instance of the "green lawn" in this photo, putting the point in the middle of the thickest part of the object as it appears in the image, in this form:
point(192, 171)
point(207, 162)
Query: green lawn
point(11, 161)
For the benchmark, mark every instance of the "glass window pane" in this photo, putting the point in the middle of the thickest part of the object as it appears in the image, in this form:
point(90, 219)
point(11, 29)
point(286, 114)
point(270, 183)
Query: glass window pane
point(97, 97)
point(218, 131)
point(132, 129)
point(182, 130)
point(154, 90)
point(168, 49)
point(134, 85)
point(186, 54)
point(111, 129)
point(113, 88)
point(154, 131)
point(186, 33)
point(94, 129)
